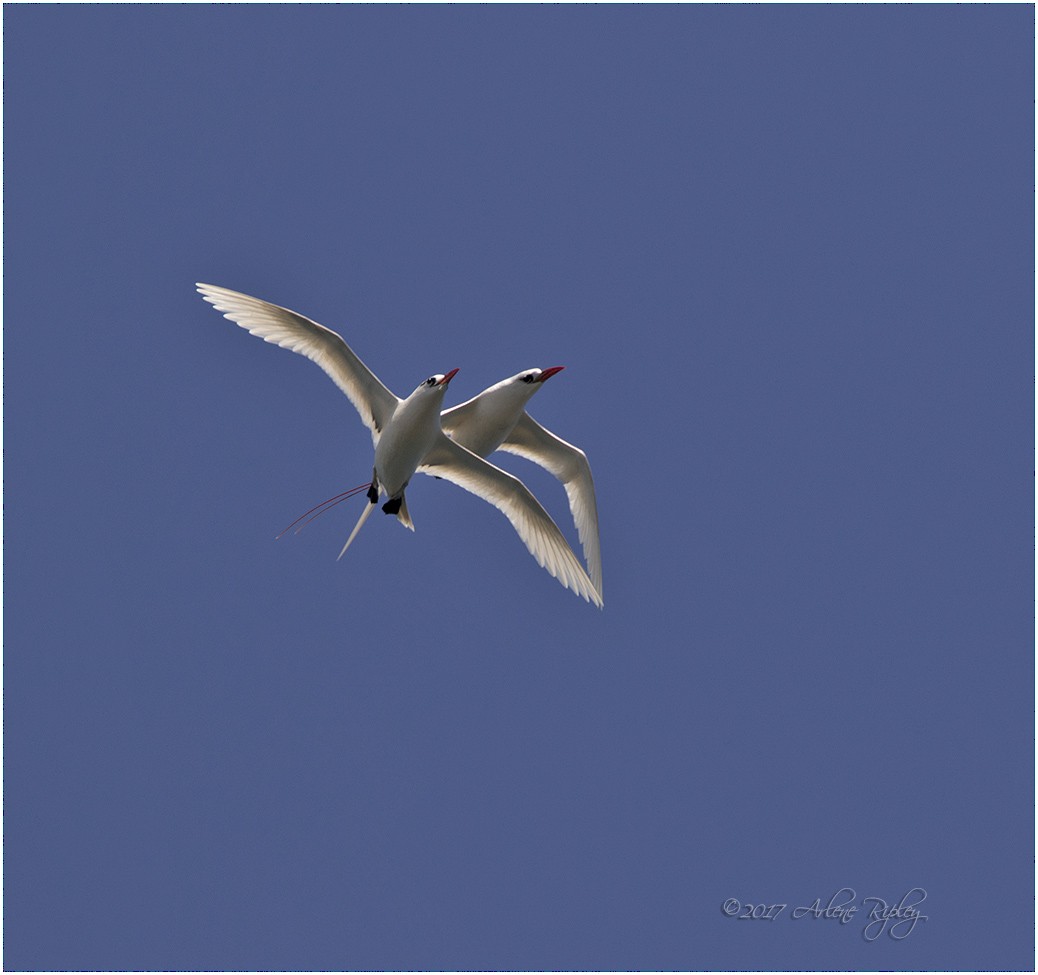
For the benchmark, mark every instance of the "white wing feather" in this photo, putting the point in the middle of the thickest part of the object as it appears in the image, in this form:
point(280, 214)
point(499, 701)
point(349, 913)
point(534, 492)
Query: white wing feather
point(290, 330)
point(569, 464)
point(510, 496)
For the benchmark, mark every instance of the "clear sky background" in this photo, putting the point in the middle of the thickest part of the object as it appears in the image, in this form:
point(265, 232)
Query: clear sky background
point(786, 257)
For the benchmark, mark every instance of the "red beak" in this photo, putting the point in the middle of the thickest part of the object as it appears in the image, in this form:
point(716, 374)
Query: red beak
point(548, 373)
point(446, 379)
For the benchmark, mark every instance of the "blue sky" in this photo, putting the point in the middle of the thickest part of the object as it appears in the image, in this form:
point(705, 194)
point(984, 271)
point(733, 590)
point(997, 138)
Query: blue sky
point(786, 256)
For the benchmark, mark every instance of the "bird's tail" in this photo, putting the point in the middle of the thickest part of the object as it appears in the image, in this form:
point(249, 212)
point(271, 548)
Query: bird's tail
point(402, 514)
point(368, 508)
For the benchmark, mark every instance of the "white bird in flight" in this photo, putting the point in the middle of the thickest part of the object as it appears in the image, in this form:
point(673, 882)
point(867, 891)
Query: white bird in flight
point(407, 434)
point(496, 419)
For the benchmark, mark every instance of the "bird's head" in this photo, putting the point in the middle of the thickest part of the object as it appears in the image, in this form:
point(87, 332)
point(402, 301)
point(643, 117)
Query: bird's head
point(435, 385)
point(524, 384)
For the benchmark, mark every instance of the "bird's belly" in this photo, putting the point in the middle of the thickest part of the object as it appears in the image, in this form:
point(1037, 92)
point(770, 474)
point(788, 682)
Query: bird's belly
point(482, 438)
point(398, 455)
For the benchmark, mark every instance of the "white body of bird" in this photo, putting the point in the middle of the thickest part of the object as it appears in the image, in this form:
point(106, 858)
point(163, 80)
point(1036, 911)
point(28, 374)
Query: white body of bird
point(405, 441)
point(410, 434)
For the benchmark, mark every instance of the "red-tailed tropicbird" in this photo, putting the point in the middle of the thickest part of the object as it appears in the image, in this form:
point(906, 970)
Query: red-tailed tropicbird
point(496, 419)
point(407, 434)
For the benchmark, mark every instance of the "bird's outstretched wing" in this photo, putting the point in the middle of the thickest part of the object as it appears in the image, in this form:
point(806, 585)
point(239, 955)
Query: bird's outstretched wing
point(290, 330)
point(509, 495)
point(569, 464)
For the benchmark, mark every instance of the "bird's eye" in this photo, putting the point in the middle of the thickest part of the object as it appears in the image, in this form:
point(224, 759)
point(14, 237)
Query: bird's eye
point(431, 381)
point(528, 378)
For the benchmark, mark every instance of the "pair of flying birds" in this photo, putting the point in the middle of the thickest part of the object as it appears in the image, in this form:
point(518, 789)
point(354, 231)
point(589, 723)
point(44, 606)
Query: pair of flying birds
point(413, 435)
